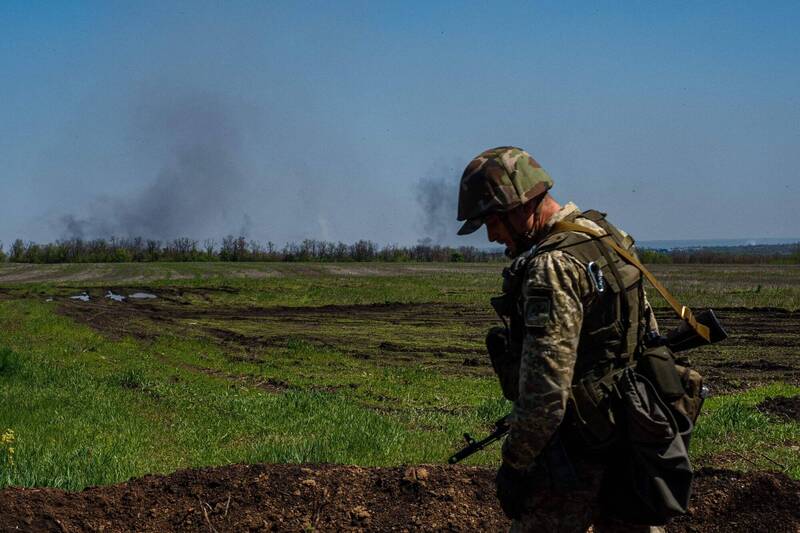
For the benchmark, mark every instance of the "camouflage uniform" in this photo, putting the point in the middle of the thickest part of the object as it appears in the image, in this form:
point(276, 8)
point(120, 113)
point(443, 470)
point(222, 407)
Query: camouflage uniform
point(546, 370)
point(558, 305)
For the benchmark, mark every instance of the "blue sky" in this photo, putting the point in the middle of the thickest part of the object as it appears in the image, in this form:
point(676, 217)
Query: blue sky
point(291, 120)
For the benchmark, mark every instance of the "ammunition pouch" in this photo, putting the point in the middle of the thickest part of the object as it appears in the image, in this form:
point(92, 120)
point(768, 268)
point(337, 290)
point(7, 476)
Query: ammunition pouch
point(590, 424)
point(690, 403)
point(504, 362)
point(657, 364)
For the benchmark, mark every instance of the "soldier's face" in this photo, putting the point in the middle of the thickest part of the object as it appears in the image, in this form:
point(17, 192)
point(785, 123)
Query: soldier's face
point(498, 231)
point(506, 228)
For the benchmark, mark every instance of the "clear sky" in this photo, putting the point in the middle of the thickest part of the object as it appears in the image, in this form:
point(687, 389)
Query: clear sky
point(343, 120)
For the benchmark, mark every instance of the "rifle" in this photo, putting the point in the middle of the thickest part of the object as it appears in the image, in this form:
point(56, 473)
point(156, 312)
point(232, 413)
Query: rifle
point(684, 336)
point(501, 427)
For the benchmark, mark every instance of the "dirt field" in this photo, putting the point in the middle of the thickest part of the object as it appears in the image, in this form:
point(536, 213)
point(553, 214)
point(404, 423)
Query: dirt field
point(335, 498)
point(763, 347)
point(253, 339)
point(782, 407)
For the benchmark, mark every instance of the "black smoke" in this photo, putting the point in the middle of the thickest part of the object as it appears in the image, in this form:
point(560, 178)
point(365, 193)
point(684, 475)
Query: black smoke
point(196, 142)
point(437, 200)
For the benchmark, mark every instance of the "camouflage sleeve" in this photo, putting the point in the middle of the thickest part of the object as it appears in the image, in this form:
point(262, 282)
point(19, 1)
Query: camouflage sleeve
point(555, 291)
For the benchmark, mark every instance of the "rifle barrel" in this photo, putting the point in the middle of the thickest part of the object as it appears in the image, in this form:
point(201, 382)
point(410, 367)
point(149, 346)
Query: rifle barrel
point(474, 446)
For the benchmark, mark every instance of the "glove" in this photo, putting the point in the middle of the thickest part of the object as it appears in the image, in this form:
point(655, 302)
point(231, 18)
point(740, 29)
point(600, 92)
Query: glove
point(512, 489)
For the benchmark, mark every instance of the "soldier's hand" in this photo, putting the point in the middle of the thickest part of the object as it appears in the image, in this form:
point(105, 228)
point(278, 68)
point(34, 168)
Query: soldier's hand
point(512, 485)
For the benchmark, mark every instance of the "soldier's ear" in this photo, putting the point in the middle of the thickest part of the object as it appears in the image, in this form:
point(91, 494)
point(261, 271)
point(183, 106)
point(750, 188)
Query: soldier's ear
point(536, 204)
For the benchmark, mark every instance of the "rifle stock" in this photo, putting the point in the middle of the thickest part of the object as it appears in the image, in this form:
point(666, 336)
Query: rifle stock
point(685, 338)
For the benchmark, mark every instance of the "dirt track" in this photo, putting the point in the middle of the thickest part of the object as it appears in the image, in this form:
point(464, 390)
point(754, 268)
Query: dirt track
point(333, 498)
point(763, 347)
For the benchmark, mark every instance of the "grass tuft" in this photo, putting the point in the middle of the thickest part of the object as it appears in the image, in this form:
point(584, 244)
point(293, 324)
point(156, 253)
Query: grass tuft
point(10, 362)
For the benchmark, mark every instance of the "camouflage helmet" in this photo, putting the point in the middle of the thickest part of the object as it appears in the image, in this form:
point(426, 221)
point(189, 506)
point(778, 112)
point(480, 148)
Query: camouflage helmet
point(496, 181)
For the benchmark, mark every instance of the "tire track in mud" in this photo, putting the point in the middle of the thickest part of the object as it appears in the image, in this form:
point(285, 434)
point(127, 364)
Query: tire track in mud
point(269, 384)
point(348, 329)
point(763, 344)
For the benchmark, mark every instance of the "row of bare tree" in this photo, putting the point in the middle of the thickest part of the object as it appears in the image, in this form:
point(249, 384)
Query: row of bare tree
point(232, 248)
point(116, 250)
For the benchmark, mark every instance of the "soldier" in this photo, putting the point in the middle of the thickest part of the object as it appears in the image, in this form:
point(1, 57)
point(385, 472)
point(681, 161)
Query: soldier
point(575, 314)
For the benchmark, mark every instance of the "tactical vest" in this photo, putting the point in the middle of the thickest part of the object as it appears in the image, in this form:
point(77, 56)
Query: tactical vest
point(613, 324)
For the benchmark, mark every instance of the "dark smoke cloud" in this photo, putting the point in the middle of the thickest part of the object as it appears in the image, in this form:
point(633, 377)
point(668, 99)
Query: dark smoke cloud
point(73, 227)
point(196, 140)
point(437, 199)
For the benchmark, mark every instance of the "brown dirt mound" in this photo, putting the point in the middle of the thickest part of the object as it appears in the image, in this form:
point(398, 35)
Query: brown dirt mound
point(268, 498)
point(334, 498)
point(724, 501)
point(782, 407)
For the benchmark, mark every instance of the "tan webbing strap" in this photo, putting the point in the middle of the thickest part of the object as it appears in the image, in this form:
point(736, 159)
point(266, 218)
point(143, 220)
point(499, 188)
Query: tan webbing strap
point(682, 311)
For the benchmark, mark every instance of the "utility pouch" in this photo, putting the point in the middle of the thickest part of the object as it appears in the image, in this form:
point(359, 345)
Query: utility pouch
point(503, 304)
point(657, 364)
point(678, 385)
point(650, 479)
point(590, 418)
point(692, 401)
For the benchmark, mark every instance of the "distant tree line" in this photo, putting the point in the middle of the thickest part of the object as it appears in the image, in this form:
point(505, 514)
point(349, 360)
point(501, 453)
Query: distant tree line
point(788, 254)
point(232, 248)
point(115, 250)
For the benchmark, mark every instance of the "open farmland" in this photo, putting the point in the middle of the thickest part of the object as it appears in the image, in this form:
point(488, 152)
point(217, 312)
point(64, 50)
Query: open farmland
point(373, 365)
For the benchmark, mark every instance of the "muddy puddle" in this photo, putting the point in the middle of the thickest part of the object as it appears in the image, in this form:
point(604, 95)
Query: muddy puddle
point(142, 296)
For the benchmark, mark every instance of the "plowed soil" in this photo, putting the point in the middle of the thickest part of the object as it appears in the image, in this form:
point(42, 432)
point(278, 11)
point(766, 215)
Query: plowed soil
point(335, 498)
point(763, 345)
point(787, 408)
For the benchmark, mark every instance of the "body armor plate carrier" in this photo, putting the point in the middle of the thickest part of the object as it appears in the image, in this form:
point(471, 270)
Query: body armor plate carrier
point(611, 335)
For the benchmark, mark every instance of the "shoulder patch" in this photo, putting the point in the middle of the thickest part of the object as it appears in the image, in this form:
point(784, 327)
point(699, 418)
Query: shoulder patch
point(538, 304)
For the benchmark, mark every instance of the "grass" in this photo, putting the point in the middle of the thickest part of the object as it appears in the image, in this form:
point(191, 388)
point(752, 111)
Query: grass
point(732, 428)
point(90, 409)
point(87, 410)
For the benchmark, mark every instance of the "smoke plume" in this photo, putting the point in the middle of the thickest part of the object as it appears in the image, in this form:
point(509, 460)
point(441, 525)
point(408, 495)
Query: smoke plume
point(197, 143)
point(437, 199)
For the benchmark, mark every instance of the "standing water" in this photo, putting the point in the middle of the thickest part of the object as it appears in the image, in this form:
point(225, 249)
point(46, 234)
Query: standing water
point(141, 296)
point(115, 297)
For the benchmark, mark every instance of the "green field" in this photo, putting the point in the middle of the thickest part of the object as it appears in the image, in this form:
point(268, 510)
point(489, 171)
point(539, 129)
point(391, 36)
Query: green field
point(368, 364)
